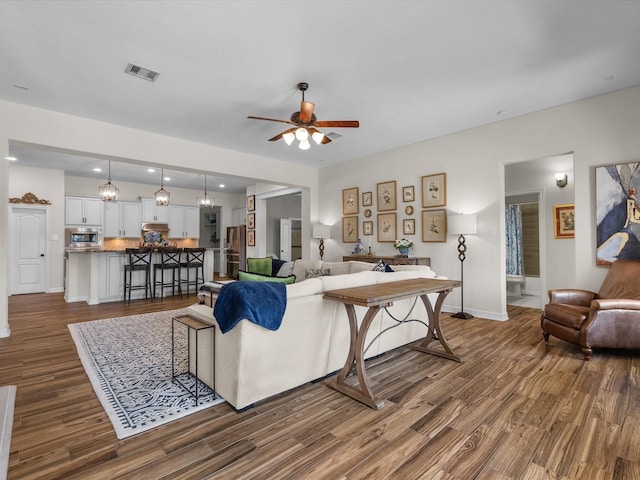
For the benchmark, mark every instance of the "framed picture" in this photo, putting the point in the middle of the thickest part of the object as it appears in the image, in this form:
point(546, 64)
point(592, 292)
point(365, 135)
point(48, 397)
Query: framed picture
point(387, 196)
point(367, 199)
point(251, 220)
point(616, 193)
point(408, 194)
point(563, 221)
point(408, 226)
point(350, 229)
point(434, 190)
point(251, 203)
point(350, 201)
point(387, 227)
point(251, 238)
point(367, 228)
point(434, 225)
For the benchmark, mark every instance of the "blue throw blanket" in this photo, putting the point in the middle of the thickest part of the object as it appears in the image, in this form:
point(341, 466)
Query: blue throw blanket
point(262, 303)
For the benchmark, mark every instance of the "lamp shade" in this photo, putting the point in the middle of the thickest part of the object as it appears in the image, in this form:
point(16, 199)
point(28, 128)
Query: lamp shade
point(321, 231)
point(462, 224)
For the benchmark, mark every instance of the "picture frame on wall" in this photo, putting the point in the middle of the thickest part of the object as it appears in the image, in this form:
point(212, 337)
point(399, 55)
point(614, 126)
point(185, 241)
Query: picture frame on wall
point(408, 226)
point(251, 203)
point(564, 221)
point(251, 238)
point(367, 227)
point(434, 190)
point(350, 229)
point(408, 194)
point(387, 227)
point(616, 187)
point(350, 205)
point(386, 196)
point(434, 225)
point(367, 199)
point(251, 220)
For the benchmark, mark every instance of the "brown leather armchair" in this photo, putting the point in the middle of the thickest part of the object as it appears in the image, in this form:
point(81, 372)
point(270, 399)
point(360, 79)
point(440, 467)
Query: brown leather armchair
point(607, 319)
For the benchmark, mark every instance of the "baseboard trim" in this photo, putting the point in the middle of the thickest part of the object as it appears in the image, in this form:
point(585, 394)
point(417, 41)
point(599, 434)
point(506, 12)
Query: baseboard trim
point(7, 403)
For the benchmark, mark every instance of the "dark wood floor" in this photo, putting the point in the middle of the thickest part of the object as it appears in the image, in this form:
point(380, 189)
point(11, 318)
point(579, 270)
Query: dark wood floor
point(516, 409)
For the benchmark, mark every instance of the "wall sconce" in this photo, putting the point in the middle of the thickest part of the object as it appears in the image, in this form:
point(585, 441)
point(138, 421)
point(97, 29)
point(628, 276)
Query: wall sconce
point(561, 179)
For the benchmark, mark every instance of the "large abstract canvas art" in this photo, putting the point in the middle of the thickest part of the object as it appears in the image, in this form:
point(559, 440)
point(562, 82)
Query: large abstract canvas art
point(618, 212)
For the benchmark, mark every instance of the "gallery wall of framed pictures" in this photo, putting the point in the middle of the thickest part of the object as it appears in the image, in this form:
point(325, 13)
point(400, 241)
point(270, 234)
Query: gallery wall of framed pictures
point(395, 209)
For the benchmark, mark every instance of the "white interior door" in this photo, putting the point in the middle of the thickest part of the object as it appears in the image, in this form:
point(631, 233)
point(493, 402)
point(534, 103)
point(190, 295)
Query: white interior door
point(28, 250)
point(285, 239)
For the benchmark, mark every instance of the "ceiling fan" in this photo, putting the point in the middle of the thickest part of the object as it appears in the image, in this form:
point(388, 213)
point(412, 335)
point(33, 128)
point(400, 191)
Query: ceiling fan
point(306, 125)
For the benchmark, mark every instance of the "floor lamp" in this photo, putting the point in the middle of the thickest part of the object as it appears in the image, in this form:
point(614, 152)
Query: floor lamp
point(321, 231)
point(462, 225)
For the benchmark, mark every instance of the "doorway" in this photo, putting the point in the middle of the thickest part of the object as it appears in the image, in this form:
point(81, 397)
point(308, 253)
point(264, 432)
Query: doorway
point(28, 247)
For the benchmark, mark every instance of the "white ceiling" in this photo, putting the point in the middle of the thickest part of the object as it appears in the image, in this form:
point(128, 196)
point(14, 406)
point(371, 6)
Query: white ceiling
point(407, 70)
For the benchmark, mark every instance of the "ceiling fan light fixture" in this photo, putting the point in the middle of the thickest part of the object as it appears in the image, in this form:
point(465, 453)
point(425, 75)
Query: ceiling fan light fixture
point(302, 134)
point(288, 137)
point(304, 144)
point(108, 191)
point(317, 137)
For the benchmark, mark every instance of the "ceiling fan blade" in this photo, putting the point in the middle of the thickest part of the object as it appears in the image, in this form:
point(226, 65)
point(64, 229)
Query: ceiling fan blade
point(338, 123)
point(279, 136)
point(271, 119)
point(306, 111)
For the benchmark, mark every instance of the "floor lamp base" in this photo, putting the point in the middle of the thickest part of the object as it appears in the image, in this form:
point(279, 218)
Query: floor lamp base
point(463, 315)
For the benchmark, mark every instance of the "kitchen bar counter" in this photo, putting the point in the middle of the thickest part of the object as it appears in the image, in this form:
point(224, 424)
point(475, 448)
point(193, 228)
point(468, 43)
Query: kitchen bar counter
point(96, 275)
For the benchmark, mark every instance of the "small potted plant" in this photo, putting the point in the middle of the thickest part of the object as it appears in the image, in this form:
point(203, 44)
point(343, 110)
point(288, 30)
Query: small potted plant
point(403, 245)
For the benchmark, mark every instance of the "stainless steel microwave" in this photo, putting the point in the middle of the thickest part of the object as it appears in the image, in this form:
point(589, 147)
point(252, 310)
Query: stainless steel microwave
point(83, 237)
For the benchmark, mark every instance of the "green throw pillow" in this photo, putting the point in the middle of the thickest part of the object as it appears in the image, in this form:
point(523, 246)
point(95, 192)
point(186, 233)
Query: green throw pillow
point(256, 277)
point(259, 265)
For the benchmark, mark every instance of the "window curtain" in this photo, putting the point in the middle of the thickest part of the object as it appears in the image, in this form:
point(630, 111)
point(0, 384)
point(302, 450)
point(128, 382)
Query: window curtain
point(513, 222)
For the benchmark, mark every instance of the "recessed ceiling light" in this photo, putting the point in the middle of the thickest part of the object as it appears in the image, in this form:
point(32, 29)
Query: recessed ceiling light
point(151, 170)
point(11, 159)
point(97, 169)
point(221, 185)
point(167, 179)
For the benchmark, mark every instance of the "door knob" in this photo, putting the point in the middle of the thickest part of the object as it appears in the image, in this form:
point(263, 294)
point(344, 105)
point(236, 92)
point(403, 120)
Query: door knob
point(42, 254)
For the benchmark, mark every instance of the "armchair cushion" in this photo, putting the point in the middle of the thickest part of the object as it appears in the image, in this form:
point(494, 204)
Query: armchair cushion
point(572, 316)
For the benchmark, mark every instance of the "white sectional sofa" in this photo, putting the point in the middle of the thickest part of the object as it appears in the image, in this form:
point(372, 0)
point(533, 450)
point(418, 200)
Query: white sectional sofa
point(253, 363)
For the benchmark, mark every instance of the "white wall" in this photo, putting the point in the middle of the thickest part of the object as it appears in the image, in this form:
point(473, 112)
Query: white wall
point(599, 131)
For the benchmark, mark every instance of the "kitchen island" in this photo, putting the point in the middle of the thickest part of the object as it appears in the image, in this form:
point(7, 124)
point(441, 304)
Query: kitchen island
point(96, 275)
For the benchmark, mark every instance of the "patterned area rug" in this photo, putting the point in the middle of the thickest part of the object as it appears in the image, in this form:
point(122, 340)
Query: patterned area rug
point(128, 361)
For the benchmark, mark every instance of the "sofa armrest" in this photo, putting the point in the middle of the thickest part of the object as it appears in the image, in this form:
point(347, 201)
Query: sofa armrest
point(615, 303)
point(572, 296)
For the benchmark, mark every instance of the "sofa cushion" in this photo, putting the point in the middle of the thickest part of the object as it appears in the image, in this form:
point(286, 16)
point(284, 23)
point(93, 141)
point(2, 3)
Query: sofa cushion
point(337, 268)
point(285, 270)
point(256, 277)
point(276, 265)
point(382, 267)
point(335, 282)
point(316, 272)
point(299, 267)
point(312, 286)
point(262, 266)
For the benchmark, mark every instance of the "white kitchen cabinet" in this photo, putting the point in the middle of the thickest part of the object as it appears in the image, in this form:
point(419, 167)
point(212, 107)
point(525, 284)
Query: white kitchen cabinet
point(153, 213)
point(184, 221)
point(122, 219)
point(83, 211)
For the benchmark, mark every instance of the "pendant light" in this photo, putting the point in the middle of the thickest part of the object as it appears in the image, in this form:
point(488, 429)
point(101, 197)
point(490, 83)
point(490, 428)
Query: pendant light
point(205, 200)
point(108, 191)
point(162, 196)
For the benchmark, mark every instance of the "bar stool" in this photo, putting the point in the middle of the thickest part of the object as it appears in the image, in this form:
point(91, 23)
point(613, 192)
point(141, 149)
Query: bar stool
point(139, 261)
point(170, 262)
point(193, 258)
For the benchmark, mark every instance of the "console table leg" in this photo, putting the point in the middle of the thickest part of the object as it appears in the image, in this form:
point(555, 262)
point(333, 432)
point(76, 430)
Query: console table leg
point(434, 321)
point(363, 392)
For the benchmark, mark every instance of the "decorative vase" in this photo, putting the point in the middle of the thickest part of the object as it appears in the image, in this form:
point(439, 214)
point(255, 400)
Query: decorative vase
point(403, 251)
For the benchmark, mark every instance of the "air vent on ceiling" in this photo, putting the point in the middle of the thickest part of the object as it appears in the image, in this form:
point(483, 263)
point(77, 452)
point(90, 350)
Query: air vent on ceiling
point(141, 72)
point(333, 135)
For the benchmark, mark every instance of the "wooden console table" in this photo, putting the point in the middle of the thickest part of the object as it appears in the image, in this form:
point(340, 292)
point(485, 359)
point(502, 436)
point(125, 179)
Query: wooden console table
point(377, 297)
point(389, 260)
